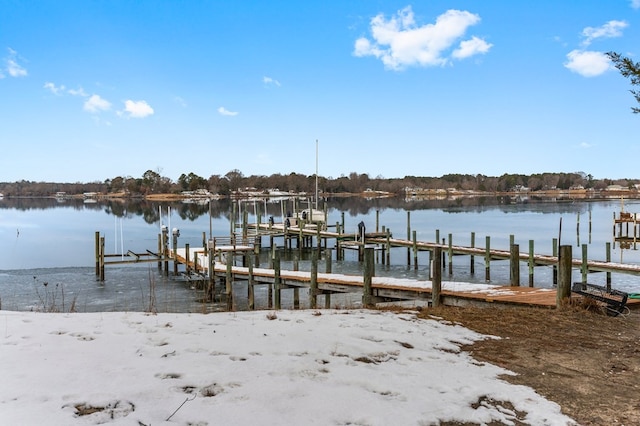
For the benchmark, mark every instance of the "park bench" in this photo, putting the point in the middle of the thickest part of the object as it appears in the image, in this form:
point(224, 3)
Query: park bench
point(613, 301)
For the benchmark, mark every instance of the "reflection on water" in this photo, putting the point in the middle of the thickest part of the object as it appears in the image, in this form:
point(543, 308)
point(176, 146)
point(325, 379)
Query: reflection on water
point(45, 241)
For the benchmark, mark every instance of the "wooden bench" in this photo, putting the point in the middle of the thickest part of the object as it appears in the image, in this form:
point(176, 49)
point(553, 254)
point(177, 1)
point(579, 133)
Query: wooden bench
point(613, 301)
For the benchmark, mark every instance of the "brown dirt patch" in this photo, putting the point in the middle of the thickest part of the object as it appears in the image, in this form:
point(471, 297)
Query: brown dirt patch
point(586, 362)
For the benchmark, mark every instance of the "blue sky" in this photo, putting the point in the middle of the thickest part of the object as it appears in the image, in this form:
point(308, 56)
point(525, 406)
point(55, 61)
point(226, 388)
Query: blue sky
point(91, 90)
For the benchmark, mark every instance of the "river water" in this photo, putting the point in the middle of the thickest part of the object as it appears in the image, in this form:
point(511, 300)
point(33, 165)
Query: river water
point(47, 252)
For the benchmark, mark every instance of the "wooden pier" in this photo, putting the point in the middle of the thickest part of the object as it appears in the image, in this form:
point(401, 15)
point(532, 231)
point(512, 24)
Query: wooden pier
point(382, 289)
point(216, 261)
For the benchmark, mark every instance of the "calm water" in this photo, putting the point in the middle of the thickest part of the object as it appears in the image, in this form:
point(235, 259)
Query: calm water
point(47, 247)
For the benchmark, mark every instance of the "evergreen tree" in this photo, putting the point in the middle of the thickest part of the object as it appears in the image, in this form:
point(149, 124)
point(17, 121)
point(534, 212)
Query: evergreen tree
point(628, 69)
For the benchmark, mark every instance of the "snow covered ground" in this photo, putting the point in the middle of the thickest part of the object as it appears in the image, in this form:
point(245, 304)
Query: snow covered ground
point(354, 367)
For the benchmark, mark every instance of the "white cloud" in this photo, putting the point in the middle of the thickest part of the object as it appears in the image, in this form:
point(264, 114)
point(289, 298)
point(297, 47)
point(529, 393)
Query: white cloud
point(96, 104)
point(12, 67)
point(270, 81)
point(400, 43)
point(180, 101)
point(585, 145)
point(224, 111)
point(78, 92)
point(609, 30)
point(635, 4)
point(137, 109)
point(587, 63)
point(471, 47)
point(56, 90)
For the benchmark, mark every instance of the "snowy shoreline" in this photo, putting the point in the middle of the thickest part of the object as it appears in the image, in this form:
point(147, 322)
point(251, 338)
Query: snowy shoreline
point(265, 367)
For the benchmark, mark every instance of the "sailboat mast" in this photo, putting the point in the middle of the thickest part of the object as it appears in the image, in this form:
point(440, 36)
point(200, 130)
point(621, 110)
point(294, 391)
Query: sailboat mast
point(316, 174)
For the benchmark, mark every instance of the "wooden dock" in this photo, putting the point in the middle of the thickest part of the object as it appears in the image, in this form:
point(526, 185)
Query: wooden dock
point(216, 261)
point(384, 289)
point(386, 242)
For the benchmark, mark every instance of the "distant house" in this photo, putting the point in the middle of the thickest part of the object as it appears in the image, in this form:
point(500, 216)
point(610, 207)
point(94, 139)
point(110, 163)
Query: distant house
point(616, 188)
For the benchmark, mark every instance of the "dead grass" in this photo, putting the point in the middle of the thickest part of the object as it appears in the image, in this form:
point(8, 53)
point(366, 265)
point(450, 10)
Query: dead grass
point(586, 362)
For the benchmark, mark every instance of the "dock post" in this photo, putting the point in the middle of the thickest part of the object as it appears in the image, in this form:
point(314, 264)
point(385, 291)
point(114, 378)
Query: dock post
point(313, 285)
point(377, 219)
point(186, 258)
point(487, 258)
point(276, 282)
point(212, 277)
point(97, 253)
point(450, 254)
point(160, 254)
point(514, 263)
point(584, 269)
point(228, 283)
point(369, 265)
point(436, 281)
point(327, 254)
point(408, 237)
point(554, 251)
point(296, 290)
point(532, 263)
point(250, 289)
point(608, 258)
point(388, 246)
point(564, 276)
point(245, 224)
point(472, 265)
point(415, 250)
point(338, 243)
point(101, 258)
point(175, 254)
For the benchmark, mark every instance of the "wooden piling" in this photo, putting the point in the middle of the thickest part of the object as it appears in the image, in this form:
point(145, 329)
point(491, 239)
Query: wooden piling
point(531, 263)
point(229, 282)
point(175, 259)
point(186, 256)
point(436, 281)
point(388, 251)
point(408, 237)
point(276, 282)
point(514, 265)
point(564, 276)
point(368, 267)
point(415, 250)
point(487, 258)
point(554, 252)
point(608, 259)
point(97, 253)
point(450, 254)
point(160, 252)
point(251, 289)
point(584, 268)
point(472, 265)
point(101, 258)
point(313, 284)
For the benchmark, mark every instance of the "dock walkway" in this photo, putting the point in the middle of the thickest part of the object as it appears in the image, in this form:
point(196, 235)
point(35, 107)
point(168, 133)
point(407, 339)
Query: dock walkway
point(400, 289)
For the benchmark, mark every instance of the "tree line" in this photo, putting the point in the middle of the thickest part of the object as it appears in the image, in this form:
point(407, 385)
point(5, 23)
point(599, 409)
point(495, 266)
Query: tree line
point(152, 182)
